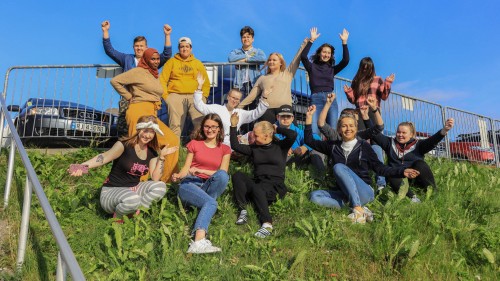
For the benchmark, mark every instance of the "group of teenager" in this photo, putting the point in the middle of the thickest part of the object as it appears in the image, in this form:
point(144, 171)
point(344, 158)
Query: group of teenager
point(348, 145)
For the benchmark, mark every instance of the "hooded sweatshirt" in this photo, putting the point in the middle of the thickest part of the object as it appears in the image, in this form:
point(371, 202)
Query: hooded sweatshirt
point(179, 76)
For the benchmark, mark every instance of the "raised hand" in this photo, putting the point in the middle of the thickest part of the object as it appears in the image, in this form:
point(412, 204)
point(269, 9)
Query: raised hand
point(372, 102)
point(391, 77)
point(200, 79)
point(364, 112)
point(310, 111)
point(234, 119)
point(411, 173)
point(330, 97)
point(168, 150)
point(449, 124)
point(344, 36)
point(314, 34)
point(105, 25)
point(167, 29)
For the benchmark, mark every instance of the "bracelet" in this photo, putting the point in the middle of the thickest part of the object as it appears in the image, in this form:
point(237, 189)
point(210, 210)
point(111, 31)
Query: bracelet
point(199, 90)
point(264, 98)
point(161, 159)
point(375, 111)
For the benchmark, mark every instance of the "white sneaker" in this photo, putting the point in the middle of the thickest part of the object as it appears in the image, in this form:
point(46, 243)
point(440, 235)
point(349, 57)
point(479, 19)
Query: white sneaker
point(368, 214)
point(414, 199)
point(203, 246)
point(357, 217)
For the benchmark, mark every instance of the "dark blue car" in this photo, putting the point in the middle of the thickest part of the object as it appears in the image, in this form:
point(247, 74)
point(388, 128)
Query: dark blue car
point(50, 122)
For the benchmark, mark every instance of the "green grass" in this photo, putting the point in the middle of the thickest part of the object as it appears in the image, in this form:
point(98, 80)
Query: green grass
point(453, 235)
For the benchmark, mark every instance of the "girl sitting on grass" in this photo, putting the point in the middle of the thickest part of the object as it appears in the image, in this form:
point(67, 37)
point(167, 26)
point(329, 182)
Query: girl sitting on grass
point(122, 192)
point(204, 178)
point(407, 152)
point(351, 158)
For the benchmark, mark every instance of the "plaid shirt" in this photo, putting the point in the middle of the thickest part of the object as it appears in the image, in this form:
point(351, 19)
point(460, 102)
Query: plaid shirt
point(379, 89)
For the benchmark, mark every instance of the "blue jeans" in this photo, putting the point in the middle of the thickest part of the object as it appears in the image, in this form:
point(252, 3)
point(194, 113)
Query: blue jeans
point(380, 155)
point(319, 100)
point(203, 194)
point(353, 189)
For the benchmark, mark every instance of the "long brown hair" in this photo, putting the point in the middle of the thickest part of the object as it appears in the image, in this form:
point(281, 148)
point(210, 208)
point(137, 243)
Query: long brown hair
point(361, 82)
point(199, 134)
point(134, 139)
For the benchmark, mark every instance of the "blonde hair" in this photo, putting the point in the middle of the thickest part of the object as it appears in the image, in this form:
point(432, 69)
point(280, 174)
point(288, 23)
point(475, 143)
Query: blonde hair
point(266, 127)
point(409, 125)
point(345, 116)
point(282, 60)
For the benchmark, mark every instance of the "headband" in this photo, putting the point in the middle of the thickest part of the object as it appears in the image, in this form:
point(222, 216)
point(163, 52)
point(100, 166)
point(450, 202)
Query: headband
point(149, 125)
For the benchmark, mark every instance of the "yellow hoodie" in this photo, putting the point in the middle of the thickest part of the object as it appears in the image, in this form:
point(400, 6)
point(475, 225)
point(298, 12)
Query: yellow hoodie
point(179, 76)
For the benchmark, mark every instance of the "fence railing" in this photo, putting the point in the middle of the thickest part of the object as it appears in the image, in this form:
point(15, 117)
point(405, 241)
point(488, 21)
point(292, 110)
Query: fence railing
point(90, 114)
point(66, 259)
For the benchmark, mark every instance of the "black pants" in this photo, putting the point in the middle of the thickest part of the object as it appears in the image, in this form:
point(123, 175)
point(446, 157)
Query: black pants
point(261, 192)
point(425, 178)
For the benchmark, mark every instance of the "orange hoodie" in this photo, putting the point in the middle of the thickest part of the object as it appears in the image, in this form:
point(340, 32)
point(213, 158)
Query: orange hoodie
point(179, 76)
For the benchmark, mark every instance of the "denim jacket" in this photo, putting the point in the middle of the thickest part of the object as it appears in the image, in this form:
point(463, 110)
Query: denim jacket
point(246, 73)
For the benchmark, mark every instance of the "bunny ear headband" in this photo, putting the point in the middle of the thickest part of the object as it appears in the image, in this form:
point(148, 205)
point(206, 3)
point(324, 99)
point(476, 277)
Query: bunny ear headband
point(151, 125)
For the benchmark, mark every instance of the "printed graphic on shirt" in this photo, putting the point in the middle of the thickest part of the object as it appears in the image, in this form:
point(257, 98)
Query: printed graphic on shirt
point(186, 68)
point(138, 170)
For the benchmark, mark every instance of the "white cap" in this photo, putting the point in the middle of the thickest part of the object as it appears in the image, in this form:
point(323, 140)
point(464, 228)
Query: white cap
point(185, 40)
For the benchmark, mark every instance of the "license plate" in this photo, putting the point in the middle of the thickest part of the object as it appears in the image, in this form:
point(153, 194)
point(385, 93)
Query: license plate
point(89, 127)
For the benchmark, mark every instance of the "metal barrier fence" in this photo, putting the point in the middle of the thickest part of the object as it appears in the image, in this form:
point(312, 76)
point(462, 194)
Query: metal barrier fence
point(52, 104)
point(92, 114)
point(65, 259)
point(474, 138)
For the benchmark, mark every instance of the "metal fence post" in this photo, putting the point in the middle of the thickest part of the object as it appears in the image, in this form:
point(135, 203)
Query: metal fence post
point(61, 273)
point(446, 138)
point(10, 173)
point(495, 143)
point(25, 221)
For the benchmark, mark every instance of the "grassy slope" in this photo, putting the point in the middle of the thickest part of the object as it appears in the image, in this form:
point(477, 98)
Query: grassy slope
point(441, 239)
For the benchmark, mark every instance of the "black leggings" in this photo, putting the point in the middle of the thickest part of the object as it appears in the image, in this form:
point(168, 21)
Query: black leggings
point(261, 193)
point(425, 178)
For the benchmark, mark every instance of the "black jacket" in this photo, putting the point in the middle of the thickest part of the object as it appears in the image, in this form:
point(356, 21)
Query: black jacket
point(360, 160)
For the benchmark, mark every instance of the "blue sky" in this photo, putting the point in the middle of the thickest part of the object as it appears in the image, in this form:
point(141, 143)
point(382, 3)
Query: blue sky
point(442, 51)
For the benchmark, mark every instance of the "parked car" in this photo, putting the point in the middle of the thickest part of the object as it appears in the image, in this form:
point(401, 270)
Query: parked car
point(472, 151)
point(55, 123)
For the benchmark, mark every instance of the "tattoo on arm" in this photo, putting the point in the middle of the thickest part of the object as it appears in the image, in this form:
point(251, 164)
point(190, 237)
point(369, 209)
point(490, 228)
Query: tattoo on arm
point(100, 158)
point(161, 166)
